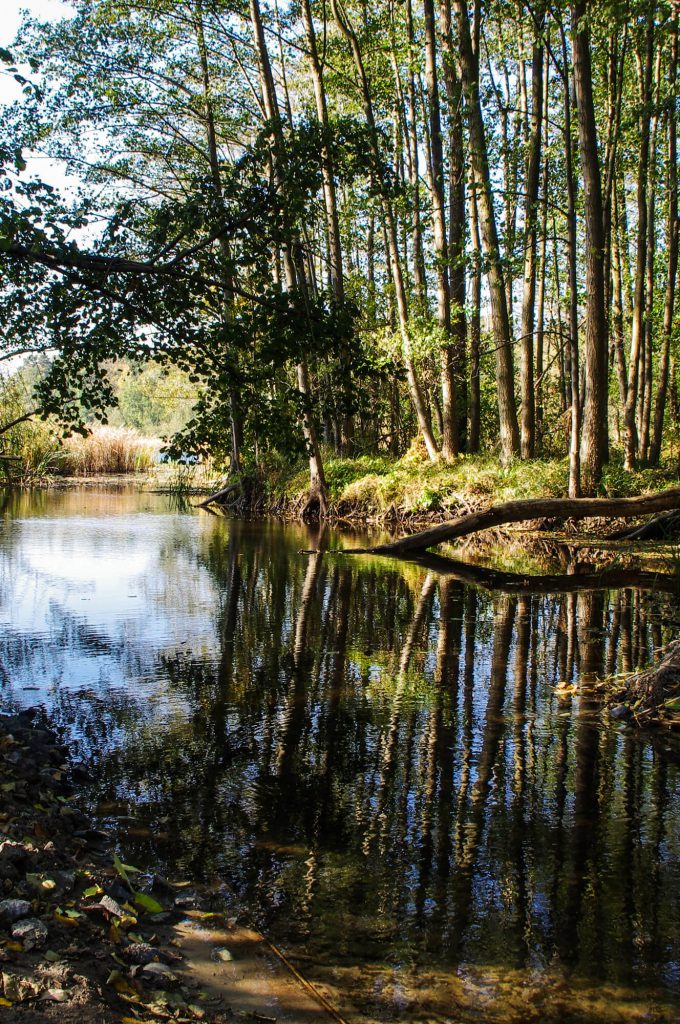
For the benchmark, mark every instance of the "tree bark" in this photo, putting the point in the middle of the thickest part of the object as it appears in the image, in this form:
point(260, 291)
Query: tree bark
point(448, 384)
point(475, 325)
point(415, 388)
point(530, 247)
point(331, 210)
point(638, 326)
point(672, 259)
point(317, 480)
point(505, 376)
point(595, 350)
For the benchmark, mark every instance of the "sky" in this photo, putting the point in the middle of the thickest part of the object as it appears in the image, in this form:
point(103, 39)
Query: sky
point(10, 90)
point(11, 15)
point(10, 19)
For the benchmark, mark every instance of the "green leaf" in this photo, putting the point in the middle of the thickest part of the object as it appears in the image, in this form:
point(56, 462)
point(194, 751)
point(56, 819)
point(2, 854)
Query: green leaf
point(124, 869)
point(148, 903)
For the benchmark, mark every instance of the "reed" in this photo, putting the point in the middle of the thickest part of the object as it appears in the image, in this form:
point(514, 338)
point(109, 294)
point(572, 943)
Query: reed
point(108, 451)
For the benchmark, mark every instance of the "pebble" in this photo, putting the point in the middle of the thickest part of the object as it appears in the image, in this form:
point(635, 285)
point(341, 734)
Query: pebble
point(141, 953)
point(31, 932)
point(14, 910)
point(188, 901)
point(619, 711)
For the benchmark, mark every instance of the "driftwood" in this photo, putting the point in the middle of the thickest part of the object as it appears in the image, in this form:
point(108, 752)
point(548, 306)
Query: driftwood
point(522, 511)
point(218, 496)
point(655, 693)
point(663, 527)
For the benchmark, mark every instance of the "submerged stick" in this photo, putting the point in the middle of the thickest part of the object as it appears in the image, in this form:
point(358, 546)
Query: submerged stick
point(522, 511)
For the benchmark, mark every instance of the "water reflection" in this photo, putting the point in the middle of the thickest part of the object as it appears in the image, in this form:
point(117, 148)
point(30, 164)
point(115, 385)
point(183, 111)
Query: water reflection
point(373, 756)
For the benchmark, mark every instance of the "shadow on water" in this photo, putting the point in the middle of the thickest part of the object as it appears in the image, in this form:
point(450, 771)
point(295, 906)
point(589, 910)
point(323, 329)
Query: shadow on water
point(371, 756)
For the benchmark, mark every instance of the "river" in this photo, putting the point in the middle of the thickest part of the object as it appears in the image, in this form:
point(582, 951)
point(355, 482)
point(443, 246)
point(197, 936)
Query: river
point(406, 779)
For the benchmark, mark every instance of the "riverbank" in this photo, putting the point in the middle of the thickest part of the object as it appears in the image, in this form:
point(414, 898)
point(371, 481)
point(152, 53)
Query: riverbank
point(85, 938)
point(412, 491)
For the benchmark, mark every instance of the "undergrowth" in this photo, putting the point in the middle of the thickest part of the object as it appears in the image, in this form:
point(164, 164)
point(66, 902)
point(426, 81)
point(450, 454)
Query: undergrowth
point(412, 484)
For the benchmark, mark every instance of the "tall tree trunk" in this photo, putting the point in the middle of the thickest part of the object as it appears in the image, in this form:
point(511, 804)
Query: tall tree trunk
point(454, 102)
point(415, 388)
point(235, 411)
point(671, 256)
point(317, 480)
point(638, 326)
point(331, 210)
point(595, 351)
point(540, 301)
point(419, 276)
point(505, 376)
point(475, 324)
point(448, 385)
point(647, 365)
point(530, 246)
point(617, 305)
point(572, 258)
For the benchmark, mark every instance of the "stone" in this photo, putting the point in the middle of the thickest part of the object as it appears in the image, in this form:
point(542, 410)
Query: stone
point(619, 711)
point(14, 910)
point(31, 932)
point(141, 953)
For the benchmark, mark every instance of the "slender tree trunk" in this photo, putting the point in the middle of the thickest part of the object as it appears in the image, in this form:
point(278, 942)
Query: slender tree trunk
point(447, 358)
point(648, 383)
point(331, 210)
point(572, 263)
point(595, 351)
point(235, 411)
point(457, 261)
point(505, 377)
point(419, 276)
point(617, 306)
point(317, 480)
point(475, 324)
point(637, 332)
point(540, 301)
point(415, 388)
point(530, 246)
point(672, 259)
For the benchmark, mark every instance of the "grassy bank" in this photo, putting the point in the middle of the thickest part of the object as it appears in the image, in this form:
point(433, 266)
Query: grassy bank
point(378, 488)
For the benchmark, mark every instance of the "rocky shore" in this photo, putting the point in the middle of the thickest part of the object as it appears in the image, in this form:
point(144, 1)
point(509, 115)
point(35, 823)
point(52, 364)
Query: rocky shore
point(85, 938)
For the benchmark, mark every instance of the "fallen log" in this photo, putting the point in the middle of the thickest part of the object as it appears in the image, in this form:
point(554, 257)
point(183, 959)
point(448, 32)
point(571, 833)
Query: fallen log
point(663, 527)
point(522, 511)
point(218, 496)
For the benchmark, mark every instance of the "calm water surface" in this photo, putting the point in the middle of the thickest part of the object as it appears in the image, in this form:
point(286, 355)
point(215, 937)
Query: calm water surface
point(373, 757)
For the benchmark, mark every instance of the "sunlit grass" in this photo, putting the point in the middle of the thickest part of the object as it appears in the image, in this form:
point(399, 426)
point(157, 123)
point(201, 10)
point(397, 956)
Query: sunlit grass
point(108, 451)
point(412, 484)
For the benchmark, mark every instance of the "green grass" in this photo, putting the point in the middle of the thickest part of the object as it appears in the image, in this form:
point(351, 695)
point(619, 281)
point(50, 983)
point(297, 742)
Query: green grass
point(415, 485)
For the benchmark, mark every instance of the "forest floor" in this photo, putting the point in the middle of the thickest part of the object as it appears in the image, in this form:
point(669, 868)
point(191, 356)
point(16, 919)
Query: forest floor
point(87, 939)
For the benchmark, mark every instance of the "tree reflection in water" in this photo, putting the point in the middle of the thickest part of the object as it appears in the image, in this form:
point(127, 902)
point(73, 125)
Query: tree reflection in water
point(375, 759)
